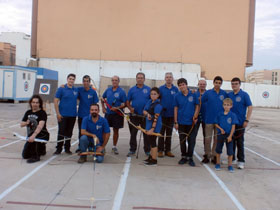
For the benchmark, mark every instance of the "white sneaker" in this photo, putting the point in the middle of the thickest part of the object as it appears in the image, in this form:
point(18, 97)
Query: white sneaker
point(240, 165)
point(234, 162)
point(115, 150)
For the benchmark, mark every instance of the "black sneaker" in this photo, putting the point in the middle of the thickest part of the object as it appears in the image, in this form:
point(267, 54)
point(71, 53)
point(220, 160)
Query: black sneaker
point(191, 162)
point(205, 159)
point(43, 153)
point(152, 162)
point(183, 161)
point(33, 160)
point(57, 152)
point(148, 159)
point(68, 152)
point(78, 150)
point(214, 160)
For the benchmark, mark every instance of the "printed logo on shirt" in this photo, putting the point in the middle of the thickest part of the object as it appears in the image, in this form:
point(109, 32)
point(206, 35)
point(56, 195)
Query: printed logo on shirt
point(172, 92)
point(116, 95)
point(145, 91)
point(238, 99)
point(190, 99)
point(75, 93)
point(229, 120)
point(90, 96)
point(98, 127)
point(222, 97)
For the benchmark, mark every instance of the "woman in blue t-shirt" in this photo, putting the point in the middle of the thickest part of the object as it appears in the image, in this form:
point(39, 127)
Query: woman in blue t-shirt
point(152, 112)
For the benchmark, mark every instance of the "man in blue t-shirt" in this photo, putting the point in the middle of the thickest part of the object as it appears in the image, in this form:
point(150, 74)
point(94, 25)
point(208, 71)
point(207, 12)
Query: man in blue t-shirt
point(214, 102)
point(65, 103)
point(242, 107)
point(115, 99)
point(186, 111)
point(201, 117)
point(167, 93)
point(94, 127)
point(137, 98)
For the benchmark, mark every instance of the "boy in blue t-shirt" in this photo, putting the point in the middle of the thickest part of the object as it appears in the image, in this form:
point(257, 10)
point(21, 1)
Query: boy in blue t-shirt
point(225, 123)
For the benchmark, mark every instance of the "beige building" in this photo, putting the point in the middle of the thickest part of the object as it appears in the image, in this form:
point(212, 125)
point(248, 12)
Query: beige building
point(7, 54)
point(216, 34)
point(271, 77)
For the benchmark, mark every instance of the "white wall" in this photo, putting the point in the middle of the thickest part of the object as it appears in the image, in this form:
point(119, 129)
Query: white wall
point(23, 45)
point(1, 82)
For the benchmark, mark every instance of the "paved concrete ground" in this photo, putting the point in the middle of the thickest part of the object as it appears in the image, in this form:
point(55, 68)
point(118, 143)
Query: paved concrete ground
point(58, 182)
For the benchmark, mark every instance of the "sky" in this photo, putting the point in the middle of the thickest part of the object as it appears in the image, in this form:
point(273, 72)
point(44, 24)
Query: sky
point(15, 16)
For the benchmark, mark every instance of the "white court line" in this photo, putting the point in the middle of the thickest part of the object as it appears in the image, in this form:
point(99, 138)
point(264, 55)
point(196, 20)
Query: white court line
point(122, 184)
point(220, 182)
point(263, 137)
point(9, 127)
point(274, 162)
point(14, 186)
point(5, 145)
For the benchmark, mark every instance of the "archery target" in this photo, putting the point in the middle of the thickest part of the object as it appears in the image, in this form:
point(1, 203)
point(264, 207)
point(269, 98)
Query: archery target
point(44, 89)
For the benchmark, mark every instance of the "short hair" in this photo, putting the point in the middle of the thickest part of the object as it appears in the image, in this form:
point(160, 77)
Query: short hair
point(227, 100)
point(71, 75)
point(218, 78)
point(86, 77)
point(40, 101)
point(236, 79)
point(95, 105)
point(117, 77)
point(170, 73)
point(141, 74)
point(182, 80)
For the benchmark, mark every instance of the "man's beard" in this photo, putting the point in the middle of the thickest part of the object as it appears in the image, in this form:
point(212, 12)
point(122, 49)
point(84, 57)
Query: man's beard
point(94, 115)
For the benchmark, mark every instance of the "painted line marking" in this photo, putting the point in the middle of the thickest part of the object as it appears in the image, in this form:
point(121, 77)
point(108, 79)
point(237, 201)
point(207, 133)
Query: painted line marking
point(45, 204)
point(263, 137)
point(272, 161)
point(121, 187)
point(220, 182)
point(156, 208)
point(35, 170)
point(10, 127)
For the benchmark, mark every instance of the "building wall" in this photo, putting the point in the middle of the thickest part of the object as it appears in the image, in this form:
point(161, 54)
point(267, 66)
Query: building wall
point(214, 34)
point(264, 77)
point(7, 54)
point(22, 42)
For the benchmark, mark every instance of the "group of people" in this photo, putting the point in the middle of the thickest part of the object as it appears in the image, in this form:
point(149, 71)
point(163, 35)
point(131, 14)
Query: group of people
point(155, 111)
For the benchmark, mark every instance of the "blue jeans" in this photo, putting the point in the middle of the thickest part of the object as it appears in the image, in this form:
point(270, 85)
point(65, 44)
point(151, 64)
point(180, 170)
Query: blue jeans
point(85, 143)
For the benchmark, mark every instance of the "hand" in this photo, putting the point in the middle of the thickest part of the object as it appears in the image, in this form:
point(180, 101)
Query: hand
point(176, 126)
point(59, 117)
point(62, 86)
point(104, 110)
point(99, 149)
point(150, 132)
point(149, 117)
point(245, 124)
point(131, 110)
point(222, 131)
point(31, 139)
point(229, 139)
point(27, 122)
point(194, 119)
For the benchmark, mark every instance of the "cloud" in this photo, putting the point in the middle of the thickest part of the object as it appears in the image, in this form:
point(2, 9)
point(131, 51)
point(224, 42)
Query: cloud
point(15, 16)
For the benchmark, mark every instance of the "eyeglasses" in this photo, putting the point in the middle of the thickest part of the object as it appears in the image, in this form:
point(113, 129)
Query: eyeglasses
point(235, 83)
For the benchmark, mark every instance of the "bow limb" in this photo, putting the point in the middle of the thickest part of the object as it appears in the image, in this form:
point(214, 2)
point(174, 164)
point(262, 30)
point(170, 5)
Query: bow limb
point(25, 138)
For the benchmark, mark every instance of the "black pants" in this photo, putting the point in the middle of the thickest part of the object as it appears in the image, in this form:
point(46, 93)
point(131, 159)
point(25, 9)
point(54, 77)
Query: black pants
point(183, 130)
point(33, 150)
point(238, 140)
point(133, 133)
point(164, 145)
point(152, 141)
point(196, 128)
point(65, 130)
point(80, 120)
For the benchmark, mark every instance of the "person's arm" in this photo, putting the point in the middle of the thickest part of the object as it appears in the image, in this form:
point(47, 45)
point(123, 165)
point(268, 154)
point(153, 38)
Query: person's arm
point(195, 116)
point(231, 133)
point(37, 131)
point(58, 115)
point(103, 106)
point(176, 117)
point(249, 113)
point(222, 130)
point(24, 123)
point(84, 132)
point(154, 124)
point(131, 109)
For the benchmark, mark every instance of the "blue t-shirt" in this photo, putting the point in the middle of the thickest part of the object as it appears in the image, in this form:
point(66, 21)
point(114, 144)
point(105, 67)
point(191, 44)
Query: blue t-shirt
point(114, 98)
point(68, 101)
point(214, 104)
point(86, 97)
point(226, 121)
point(157, 110)
point(98, 128)
point(241, 101)
point(138, 98)
point(167, 100)
point(186, 107)
point(202, 112)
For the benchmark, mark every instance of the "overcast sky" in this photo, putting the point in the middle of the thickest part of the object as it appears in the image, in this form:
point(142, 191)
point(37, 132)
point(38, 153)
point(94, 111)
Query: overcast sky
point(15, 16)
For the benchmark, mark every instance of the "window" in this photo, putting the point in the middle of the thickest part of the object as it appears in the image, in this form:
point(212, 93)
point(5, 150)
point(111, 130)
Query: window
point(23, 76)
